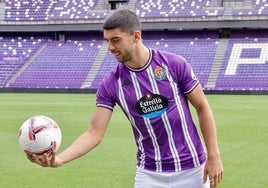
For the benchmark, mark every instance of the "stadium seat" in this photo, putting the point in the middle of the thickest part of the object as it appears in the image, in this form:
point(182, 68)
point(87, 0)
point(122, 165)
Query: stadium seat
point(60, 65)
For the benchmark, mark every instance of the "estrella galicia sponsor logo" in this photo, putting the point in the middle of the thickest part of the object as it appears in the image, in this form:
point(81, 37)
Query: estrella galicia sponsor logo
point(159, 73)
point(151, 105)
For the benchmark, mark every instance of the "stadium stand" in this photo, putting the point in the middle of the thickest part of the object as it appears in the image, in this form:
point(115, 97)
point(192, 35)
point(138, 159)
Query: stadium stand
point(177, 8)
point(245, 64)
point(61, 64)
point(180, 43)
point(14, 52)
point(251, 9)
point(232, 61)
point(67, 64)
point(42, 10)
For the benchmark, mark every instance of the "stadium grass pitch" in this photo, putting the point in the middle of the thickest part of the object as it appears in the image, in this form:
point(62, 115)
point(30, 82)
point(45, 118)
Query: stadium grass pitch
point(242, 125)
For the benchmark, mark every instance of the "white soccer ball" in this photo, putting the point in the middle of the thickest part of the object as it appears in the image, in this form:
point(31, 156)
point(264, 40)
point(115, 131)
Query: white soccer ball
point(39, 134)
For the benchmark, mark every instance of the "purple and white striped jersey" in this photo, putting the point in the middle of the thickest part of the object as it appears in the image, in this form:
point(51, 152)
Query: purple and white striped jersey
point(153, 99)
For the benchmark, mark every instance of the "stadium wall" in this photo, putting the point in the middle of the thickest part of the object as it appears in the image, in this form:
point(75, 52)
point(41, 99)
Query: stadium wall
point(146, 25)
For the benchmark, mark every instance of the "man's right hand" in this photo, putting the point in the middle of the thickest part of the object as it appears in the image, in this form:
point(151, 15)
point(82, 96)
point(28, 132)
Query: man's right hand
point(45, 160)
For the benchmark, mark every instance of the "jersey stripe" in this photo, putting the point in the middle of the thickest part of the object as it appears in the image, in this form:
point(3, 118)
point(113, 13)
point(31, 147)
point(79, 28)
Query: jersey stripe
point(131, 118)
point(167, 125)
point(183, 120)
point(148, 126)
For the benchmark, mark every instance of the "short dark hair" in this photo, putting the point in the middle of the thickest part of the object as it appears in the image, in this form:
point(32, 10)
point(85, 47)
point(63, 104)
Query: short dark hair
point(125, 19)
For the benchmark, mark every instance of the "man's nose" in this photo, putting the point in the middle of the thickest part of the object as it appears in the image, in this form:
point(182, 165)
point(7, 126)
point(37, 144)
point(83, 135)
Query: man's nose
point(110, 47)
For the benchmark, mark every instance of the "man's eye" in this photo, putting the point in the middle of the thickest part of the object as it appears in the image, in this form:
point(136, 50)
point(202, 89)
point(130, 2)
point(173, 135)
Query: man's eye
point(115, 40)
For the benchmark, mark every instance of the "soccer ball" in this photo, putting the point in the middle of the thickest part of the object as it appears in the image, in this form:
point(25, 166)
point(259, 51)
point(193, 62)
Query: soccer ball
point(39, 135)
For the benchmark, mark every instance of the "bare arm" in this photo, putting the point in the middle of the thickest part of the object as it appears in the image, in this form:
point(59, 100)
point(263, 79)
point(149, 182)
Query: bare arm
point(213, 168)
point(83, 144)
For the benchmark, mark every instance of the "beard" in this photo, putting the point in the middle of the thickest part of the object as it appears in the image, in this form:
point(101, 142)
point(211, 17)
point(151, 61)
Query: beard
point(127, 56)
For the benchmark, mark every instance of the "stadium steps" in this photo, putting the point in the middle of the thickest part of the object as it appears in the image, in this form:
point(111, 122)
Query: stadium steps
point(228, 11)
point(228, 8)
point(27, 63)
point(214, 3)
point(95, 66)
point(215, 69)
point(131, 4)
point(247, 3)
point(2, 11)
point(101, 5)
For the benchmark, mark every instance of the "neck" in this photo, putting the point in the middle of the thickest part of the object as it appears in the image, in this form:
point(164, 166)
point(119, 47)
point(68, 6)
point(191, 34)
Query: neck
point(140, 57)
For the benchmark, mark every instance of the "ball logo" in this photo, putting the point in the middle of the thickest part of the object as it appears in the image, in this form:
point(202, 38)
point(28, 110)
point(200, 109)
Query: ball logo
point(151, 105)
point(33, 129)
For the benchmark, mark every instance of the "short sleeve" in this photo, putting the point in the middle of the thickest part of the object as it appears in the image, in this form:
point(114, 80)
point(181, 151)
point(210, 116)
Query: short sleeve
point(187, 78)
point(105, 93)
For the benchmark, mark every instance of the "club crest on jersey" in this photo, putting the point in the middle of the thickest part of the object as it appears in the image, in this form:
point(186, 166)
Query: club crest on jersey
point(151, 105)
point(159, 73)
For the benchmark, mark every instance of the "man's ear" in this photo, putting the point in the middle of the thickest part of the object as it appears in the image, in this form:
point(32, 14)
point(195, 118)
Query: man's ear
point(137, 35)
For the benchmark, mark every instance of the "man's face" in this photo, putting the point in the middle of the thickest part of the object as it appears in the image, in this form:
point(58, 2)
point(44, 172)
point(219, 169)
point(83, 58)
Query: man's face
point(121, 44)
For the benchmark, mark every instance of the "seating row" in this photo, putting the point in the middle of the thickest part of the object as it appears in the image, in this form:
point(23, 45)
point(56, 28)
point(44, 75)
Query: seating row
point(60, 64)
point(42, 10)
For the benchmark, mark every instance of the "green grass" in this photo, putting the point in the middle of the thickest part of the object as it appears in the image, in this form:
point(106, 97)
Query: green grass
point(242, 124)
